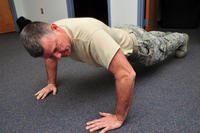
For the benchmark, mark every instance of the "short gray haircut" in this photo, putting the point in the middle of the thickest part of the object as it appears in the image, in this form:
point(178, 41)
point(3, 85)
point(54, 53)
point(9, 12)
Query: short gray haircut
point(31, 35)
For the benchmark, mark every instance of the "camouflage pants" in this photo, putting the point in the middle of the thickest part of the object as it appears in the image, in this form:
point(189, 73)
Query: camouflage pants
point(154, 46)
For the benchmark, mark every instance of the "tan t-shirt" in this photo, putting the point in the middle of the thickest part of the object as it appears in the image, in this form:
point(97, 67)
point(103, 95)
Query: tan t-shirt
point(95, 43)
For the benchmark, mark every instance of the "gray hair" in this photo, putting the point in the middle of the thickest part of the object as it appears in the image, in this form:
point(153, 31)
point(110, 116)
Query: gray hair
point(31, 35)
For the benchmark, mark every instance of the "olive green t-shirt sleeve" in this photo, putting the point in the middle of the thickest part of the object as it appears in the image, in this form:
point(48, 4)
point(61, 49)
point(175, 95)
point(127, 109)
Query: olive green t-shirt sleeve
point(103, 48)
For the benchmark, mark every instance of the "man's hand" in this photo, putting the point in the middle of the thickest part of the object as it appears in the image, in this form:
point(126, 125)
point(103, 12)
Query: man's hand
point(45, 91)
point(106, 123)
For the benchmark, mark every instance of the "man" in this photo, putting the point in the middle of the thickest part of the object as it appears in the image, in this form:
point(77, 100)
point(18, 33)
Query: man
point(91, 41)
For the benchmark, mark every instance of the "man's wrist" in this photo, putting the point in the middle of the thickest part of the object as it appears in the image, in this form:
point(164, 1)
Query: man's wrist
point(52, 84)
point(120, 118)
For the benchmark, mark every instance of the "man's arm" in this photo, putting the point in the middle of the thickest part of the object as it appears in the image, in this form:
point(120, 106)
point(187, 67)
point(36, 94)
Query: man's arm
point(125, 80)
point(51, 68)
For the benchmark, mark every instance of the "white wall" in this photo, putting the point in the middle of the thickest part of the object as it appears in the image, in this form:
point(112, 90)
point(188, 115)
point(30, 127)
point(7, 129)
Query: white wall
point(31, 9)
point(123, 12)
point(19, 8)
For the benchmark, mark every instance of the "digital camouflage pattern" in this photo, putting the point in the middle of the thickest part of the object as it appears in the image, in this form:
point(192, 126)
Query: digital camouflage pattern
point(156, 46)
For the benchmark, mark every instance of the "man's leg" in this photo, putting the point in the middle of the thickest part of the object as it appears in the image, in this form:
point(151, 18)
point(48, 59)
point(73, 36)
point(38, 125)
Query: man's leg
point(132, 29)
point(156, 46)
point(182, 50)
point(154, 49)
point(158, 33)
point(148, 44)
point(178, 43)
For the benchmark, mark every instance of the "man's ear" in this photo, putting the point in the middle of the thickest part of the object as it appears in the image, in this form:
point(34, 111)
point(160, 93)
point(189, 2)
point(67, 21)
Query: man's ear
point(54, 27)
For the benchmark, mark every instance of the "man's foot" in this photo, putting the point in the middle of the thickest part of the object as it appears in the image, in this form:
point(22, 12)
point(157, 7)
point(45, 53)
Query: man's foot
point(182, 50)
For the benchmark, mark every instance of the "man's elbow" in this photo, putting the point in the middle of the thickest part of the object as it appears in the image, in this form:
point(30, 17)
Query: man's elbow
point(132, 74)
point(128, 75)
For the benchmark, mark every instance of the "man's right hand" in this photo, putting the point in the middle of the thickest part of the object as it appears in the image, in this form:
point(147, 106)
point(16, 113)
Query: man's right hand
point(45, 91)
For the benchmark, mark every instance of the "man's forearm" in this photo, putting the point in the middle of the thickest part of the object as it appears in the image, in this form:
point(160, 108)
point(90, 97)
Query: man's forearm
point(51, 68)
point(124, 93)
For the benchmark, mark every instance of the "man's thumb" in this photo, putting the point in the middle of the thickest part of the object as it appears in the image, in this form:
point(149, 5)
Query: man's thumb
point(54, 91)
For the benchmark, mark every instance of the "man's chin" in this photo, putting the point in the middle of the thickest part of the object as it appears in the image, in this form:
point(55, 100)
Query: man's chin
point(66, 55)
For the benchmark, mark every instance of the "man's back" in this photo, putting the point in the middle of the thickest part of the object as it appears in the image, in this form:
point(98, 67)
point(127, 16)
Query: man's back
point(86, 36)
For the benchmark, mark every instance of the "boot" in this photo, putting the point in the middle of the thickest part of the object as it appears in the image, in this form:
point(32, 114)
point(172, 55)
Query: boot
point(182, 50)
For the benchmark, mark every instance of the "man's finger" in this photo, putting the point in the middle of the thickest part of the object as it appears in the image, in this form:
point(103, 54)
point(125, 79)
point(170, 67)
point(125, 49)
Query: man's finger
point(54, 91)
point(104, 114)
point(44, 95)
point(37, 93)
point(39, 96)
point(96, 128)
point(90, 126)
point(104, 130)
point(92, 122)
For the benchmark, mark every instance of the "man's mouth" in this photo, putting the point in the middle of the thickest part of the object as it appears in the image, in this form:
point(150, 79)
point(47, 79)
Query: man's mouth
point(66, 53)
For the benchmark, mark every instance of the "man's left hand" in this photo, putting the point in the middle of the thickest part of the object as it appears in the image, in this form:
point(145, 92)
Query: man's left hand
point(106, 123)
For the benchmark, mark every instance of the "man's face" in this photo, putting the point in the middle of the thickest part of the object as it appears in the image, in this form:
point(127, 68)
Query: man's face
point(56, 44)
